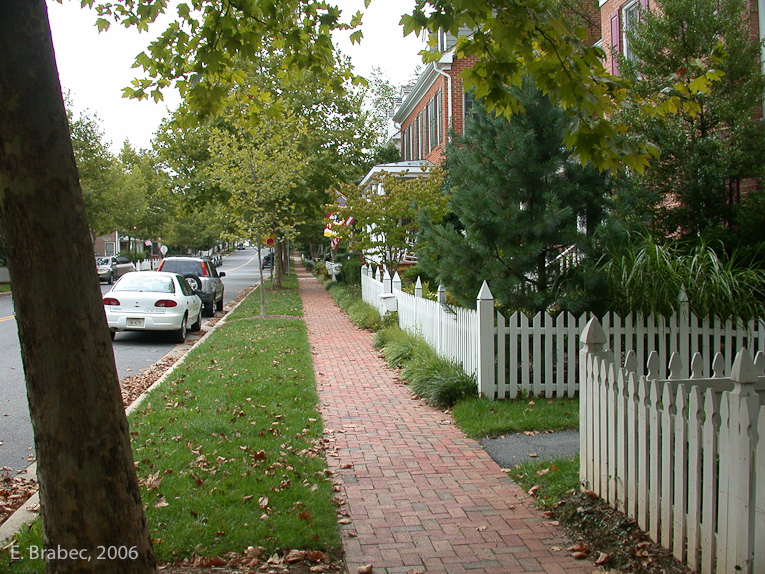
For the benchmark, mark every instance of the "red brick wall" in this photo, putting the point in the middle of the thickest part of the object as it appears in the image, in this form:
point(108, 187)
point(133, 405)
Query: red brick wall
point(436, 155)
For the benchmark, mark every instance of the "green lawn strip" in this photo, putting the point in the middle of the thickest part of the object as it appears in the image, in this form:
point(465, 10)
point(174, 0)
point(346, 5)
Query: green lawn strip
point(229, 448)
point(549, 481)
point(235, 438)
point(5, 288)
point(279, 302)
point(482, 418)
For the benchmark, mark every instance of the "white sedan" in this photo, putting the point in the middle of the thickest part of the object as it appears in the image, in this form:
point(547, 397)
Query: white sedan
point(153, 301)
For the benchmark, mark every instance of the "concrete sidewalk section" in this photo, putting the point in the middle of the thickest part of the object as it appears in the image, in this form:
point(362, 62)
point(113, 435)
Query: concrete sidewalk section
point(421, 498)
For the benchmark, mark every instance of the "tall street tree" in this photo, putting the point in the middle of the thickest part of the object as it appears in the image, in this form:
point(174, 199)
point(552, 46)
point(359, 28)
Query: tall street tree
point(88, 487)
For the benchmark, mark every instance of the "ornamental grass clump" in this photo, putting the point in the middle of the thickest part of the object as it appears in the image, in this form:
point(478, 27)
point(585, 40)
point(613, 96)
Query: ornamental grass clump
point(401, 349)
point(361, 313)
point(440, 382)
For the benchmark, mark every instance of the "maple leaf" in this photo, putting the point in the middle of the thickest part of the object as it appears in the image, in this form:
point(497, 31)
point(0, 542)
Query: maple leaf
point(305, 515)
point(153, 481)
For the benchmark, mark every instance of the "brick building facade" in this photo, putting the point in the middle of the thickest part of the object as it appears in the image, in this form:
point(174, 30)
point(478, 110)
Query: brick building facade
point(434, 107)
point(616, 16)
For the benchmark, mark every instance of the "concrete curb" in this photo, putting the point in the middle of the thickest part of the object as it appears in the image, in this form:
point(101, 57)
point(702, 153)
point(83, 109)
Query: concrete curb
point(23, 514)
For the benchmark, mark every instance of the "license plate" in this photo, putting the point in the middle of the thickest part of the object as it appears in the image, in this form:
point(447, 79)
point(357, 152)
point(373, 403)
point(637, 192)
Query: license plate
point(135, 322)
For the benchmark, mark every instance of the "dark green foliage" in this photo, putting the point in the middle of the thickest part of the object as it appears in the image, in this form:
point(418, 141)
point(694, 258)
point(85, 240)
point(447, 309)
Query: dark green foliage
point(390, 319)
point(386, 334)
point(716, 140)
point(350, 273)
point(442, 383)
point(518, 200)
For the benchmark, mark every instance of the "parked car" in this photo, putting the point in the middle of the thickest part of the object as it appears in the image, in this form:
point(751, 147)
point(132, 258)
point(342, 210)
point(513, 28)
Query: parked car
point(202, 276)
point(113, 267)
point(153, 301)
point(268, 261)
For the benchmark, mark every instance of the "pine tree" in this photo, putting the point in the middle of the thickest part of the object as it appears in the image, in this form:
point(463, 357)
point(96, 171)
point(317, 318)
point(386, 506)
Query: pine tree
point(518, 199)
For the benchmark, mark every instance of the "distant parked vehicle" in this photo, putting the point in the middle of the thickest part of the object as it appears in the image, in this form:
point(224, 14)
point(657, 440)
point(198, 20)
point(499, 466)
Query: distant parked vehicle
point(268, 261)
point(153, 301)
point(201, 274)
point(113, 267)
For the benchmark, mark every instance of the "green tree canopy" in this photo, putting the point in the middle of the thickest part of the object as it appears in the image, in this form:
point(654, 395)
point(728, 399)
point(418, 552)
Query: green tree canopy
point(715, 140)
point(385, 212)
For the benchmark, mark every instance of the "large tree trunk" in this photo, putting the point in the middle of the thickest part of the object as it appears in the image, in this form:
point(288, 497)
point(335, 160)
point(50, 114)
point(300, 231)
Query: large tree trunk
point(88, 486)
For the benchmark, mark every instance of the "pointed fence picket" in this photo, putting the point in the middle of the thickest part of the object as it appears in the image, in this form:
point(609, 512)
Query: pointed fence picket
point(539, 356)
point(680, 454)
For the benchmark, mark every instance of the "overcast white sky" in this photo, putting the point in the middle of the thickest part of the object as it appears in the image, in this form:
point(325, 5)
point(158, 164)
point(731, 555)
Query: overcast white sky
point(95, 67)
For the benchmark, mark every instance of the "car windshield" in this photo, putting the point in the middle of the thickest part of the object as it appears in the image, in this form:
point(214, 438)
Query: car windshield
point(181, 266)
point(145, 282)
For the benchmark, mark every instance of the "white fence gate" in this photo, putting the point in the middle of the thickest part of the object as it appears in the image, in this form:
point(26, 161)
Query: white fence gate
point(681, 455)
point(517, 355)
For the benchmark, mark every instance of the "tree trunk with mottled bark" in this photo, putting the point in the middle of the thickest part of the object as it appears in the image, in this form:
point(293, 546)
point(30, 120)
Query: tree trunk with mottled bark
point(90, 499)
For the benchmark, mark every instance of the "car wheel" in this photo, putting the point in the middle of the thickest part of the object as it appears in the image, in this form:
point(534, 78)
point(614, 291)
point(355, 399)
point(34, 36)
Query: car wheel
point(194, 282)
point(111, 278)
point(180, 334)
point(209, 309)
point(111, 334)
point(197, 325)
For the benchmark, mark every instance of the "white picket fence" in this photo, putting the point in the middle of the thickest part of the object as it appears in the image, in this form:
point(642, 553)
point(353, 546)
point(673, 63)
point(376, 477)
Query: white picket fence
point(517, 355)
point(681, 454)
point(147, 265)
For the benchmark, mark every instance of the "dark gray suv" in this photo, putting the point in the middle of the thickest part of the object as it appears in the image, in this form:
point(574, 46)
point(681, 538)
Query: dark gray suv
point(202, 276)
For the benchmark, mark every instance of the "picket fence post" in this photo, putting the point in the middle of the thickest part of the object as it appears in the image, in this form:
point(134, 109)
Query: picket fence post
point(744, 410)
point(593, 339)
point(396, 282)
point(485, 343)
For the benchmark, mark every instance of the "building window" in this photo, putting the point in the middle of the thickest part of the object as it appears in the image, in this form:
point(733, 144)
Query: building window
point(420, 134)
point(434, 121)
point(630, 15)
point(468, 109)
point(622, 23)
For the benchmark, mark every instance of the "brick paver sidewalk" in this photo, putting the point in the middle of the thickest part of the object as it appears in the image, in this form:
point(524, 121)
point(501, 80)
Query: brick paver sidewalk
point(420, 496)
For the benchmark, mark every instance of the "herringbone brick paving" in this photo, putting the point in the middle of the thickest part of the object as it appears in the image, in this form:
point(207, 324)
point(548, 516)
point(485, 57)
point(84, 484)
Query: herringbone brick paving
point(421, 498)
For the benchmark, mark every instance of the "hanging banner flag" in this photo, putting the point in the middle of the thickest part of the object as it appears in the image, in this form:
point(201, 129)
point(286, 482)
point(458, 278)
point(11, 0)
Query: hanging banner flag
point(334, 221)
